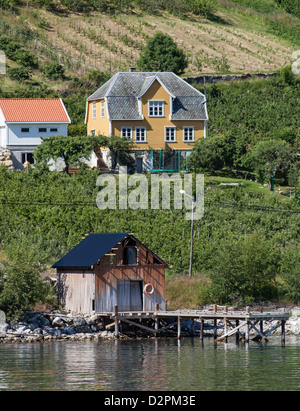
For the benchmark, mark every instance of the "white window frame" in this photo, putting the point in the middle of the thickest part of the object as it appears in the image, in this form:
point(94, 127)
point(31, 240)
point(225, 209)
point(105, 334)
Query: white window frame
point(126, 132)
point(139, 133)
point(190, 130)
point(94, 105)
point(156, 108)
point(93, 132)
point(168, 134)
point(102, 109)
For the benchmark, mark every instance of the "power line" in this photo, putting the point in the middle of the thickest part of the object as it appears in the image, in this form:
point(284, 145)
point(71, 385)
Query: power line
point(234, 206)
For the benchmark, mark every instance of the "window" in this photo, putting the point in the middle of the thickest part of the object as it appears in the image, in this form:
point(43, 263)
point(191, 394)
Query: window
point(42, 130)
point(25, 130)
point(140, 134)
point(93, 133)
point(156, 109)
point(126, 132)
point(53, 130)
point(170, 134)
point(27, 157)
point(129, 255)
point(188, 134)
point(102, 110)
point(94, 111)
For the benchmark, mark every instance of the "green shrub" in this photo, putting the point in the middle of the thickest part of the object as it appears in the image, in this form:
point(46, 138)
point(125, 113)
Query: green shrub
point(54, 71)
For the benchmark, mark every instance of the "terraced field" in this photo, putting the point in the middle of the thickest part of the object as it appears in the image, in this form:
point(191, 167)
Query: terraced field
point(236, 41)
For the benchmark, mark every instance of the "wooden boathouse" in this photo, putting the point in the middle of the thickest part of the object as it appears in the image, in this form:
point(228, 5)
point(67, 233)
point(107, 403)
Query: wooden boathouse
point(117, 277)
point(109, 269)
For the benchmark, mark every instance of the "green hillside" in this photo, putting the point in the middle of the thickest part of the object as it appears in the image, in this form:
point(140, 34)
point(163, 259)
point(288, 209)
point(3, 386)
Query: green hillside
point(235, 36)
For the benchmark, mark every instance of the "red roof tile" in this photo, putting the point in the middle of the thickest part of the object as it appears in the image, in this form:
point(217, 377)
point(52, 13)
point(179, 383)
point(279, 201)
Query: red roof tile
point(34, 110)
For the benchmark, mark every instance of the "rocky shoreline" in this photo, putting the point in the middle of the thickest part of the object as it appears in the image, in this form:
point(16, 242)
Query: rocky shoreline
point(40, 327)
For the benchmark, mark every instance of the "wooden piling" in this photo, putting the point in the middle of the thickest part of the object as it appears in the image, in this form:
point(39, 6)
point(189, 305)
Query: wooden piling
point(116, 322)
point(237, 334)
point(201, 328)
point(179, 328)
point(156, 326)
point(283, 331)
point(192, 327)
point(226, 323)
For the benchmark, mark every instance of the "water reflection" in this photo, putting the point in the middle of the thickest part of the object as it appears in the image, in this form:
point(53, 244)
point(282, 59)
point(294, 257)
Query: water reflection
point(187, 364)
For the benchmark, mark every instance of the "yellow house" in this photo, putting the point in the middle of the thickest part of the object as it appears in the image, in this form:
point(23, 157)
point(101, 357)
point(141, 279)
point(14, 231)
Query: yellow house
point(160, 112)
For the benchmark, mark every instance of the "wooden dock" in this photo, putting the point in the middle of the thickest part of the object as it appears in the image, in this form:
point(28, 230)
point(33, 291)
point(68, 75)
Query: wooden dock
point(231, 321)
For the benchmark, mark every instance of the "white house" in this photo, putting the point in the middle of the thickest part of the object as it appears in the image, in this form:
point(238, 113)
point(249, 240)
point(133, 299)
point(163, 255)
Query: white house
point(23, 121)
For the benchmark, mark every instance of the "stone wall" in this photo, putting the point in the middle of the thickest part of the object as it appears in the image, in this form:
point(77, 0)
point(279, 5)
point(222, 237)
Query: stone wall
point(5, 158)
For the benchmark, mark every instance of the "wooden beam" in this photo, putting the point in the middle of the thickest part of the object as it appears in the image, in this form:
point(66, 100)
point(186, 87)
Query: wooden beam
point(138, 325)
point(231, 332)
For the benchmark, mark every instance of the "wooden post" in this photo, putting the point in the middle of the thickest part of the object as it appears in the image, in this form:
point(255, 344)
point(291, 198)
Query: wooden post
point(247, 326)
point(226, 323)
point(215, 329)
point(156, 320)
point(247, 332)
point(283, 331)
point(201, 328)
point(116, 322)
point(215, 322)
point(237, 335)
point(192, 327)
point(179, 328)
point(261, 323)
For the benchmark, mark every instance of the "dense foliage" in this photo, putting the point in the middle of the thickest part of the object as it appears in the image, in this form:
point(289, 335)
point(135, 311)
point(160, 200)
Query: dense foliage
point(162, 54)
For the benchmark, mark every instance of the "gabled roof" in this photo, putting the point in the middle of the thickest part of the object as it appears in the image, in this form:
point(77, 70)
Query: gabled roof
point(124, 89)
point(91, 249)
point(39, 110)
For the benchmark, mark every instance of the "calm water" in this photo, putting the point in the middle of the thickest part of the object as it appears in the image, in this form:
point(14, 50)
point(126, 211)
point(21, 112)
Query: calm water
point(151, 365)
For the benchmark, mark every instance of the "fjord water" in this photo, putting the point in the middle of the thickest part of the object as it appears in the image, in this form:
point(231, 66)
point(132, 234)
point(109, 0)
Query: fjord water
point(151, 365)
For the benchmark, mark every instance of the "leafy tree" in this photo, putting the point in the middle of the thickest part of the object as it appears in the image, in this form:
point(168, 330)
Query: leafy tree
point(75, 149)
point(54, 70)
point(162, 54)
point(21, 285)
point(243, 271)
point(208, 154)
point(202, 7)
point(271, 157)
point(290, 269)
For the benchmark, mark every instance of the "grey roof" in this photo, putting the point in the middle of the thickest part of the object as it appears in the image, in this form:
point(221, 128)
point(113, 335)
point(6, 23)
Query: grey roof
point(123, 90)
point(91, 249)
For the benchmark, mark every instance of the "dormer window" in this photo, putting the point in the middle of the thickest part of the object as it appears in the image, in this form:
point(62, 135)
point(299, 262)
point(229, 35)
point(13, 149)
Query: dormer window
point(156, 108)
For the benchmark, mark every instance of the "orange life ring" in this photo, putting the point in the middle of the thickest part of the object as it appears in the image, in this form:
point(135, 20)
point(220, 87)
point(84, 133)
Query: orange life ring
point(146, 291)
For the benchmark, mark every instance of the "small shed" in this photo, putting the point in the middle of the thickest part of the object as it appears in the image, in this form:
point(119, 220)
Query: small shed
point(108, 269)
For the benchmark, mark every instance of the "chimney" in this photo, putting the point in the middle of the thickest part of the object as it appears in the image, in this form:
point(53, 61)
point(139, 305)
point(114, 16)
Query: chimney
point(132, 69)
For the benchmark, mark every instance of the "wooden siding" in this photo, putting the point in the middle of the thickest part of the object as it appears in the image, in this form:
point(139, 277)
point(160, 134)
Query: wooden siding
point(84, 291)
point(76, 290)
point(106, 284)
point(146, 270)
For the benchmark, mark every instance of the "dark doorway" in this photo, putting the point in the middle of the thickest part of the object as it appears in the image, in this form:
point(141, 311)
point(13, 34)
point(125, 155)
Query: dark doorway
point(130, 295)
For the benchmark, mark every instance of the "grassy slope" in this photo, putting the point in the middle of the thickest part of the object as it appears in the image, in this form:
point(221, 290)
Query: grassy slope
point(237, 39)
